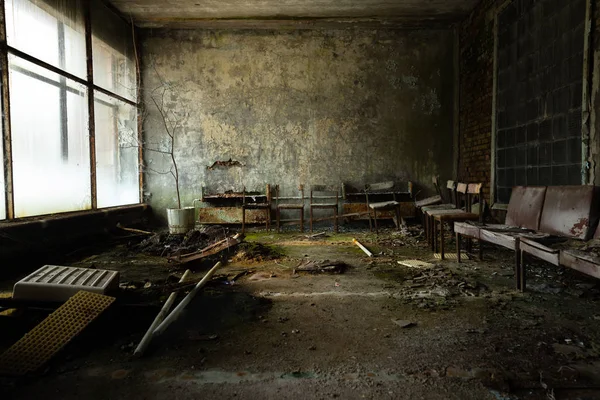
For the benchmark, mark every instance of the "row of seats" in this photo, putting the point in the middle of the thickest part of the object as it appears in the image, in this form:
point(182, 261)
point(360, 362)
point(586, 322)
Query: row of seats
point(539, 218)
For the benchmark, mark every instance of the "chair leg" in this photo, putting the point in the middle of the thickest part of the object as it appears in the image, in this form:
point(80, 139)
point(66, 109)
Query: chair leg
point(458, 247)
point(302, 220)
point(375, 221)
point(443, 256)
point(480, 243)
point(518, 277)
point(336, 220)
point(523, 274)
point(311, 220)
point(243, 220)
point(434, 232)
point(370, 221)
point(278, 213)
point(398, 218)
point(268, 223)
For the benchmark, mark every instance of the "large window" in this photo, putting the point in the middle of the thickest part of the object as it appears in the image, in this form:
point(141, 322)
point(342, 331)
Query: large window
point(539, 94)
point(52, 137)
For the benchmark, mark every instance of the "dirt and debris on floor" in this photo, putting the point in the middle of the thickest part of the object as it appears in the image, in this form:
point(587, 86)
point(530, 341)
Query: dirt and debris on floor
point(263, 329)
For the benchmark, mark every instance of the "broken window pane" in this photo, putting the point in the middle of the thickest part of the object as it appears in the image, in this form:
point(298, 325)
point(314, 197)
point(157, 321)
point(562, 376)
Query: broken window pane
point(113, 52)
point(51, 164)
point(116, 152)
point(50, 30)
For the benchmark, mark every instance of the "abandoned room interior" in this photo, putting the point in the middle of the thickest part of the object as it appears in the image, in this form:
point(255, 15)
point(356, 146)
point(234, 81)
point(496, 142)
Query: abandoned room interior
point(286, 199)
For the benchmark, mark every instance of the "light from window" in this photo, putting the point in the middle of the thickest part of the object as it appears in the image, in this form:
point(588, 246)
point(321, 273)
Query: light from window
point(51, 165)
point(117, 161)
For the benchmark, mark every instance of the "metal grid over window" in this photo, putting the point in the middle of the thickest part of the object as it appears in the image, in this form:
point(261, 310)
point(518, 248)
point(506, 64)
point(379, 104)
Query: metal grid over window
point(539, 94)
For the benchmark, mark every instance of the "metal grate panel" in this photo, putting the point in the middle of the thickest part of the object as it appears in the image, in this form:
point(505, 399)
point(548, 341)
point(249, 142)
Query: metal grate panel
point(40, 344)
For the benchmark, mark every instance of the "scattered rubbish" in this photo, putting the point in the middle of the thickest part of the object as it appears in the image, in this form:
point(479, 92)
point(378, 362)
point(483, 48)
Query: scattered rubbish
point(238, 276)
point(40, 344)
point(282, 319)
point(224, 164)
point(201, 337)
point(544, 288)
point(256, 252)
point(316, 235)
point(403, 323)
point(261, 276)
point(480, 331)
point(175, 313)
point(363, 248)
point(569, 350)
point(166, 244)
point(134, 230)
point(139, 351)
point(294, 331)
point(210, 250)
point(326, 266)
point(415, 264)
point(337, 284)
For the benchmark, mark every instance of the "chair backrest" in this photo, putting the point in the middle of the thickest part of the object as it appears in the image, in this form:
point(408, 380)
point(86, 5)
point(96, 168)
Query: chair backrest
point(451, 193)
point(267, 194)
point(525, 207)
point(324, 194)
point(379, 187)
point(570, 211)
point(468, 193)
point(299, 199)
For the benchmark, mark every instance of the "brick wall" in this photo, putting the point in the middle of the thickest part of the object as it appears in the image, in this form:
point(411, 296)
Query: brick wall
point(476, 64)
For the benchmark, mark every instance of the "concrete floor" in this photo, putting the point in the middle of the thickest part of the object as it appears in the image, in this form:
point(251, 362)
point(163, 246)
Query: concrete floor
point(279, 335)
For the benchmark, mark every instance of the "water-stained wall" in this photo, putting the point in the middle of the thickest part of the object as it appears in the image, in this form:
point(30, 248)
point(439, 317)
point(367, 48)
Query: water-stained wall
point(311, 107)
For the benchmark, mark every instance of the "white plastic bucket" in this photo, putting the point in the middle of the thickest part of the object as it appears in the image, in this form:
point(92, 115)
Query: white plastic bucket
point(180, 220)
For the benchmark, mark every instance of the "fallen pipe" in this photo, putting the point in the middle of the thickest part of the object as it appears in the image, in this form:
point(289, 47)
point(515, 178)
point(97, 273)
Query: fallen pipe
point(175, 313)
point(363, 248)
point(141, 348)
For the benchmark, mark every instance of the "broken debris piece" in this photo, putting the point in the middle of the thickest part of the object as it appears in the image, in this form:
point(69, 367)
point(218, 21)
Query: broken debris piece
point(403, 323)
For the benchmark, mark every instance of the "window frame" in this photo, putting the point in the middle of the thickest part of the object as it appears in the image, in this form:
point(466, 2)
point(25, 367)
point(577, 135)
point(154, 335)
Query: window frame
point(88, 82)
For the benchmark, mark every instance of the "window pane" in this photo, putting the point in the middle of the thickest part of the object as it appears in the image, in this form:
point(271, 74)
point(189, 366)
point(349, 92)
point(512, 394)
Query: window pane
point(51, 30)
point(116, 152)
point(51, 165)
point(113, 52)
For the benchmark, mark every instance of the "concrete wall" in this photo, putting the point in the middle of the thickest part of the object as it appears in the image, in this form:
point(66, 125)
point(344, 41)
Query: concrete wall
point(311, 107)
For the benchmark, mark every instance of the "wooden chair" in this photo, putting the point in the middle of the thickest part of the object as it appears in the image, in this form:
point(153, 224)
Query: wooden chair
point(374, 188)
point(320, 193)
point(470, 192)
point(451, 203)
point(256, 206)
point(290, 206)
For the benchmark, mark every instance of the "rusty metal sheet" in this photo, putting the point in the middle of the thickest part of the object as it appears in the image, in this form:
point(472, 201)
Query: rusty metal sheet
point(525, 207)
point(581, 262)
point(407, 209)
point(540, 251)
point(568, 211)
point(229, 215)
point(467, 229)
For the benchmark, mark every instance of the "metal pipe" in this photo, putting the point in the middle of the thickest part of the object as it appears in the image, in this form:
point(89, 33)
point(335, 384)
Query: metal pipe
point(175, 313)
point(139, 350)
point(363, 248)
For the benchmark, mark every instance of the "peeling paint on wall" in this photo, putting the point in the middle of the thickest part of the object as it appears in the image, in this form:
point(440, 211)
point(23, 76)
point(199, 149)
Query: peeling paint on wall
point(310, 107)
